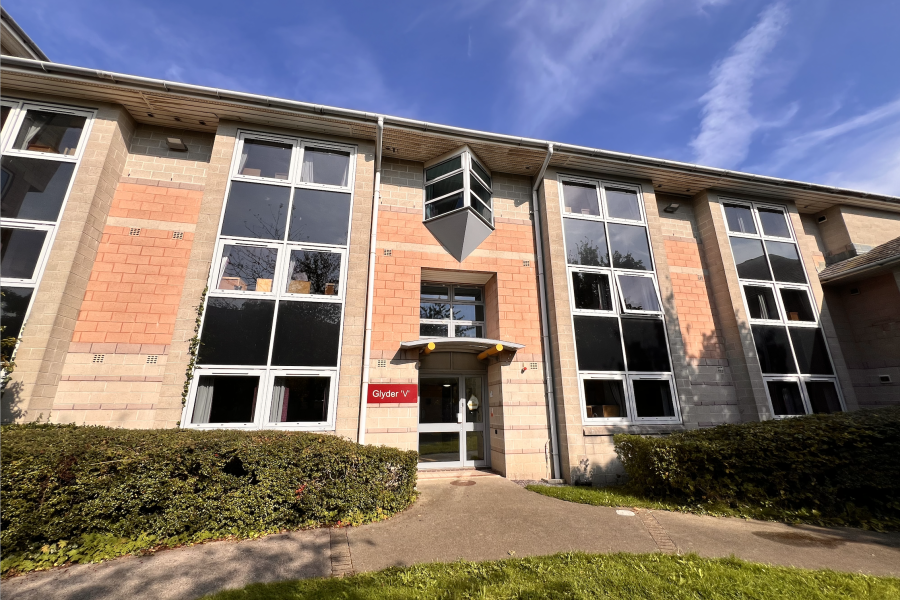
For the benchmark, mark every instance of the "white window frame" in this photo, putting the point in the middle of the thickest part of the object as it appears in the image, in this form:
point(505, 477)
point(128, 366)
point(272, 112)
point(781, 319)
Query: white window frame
point(49, 229)
point(186, 420)
point(315, 145)
point(605, 376)
point(326, 425)
point(583, 181)
point(264, 137)
point(779, 320)
point(451, 323)
point(809, 298)
point(214, 276)
point(466, 160)
point(801, 381)
point(650, 376)
point(286, 267)
point(612, 290)
point(646, 275)
point(605, 205)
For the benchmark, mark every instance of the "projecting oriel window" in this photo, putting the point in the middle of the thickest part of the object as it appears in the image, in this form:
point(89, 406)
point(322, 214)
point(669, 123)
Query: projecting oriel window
point(270, 340)
point(790, 346)
point(621, 345)
point(458, 182)
point(447, 310)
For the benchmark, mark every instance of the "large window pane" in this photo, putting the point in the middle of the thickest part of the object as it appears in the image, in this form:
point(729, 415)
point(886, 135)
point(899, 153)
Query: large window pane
point(474, 445)
point(434, 310)
point(439, 400)
point(773, 349)
point(480, 191)
point(653, 398)
point(622, 204)
point(19, 252)
point(597, 344)
point(786, 265)
point(750, 259)
point(311, 272)
point(444, 206)
point(645, 345)
point(630, 248)
point(740, 219)
point(796, 305)
point(33, 188)
point(247, 268)
point(812, 355)
point(431, 291)
point(320, 217)
point(448, 166)
point(468, 312)
point(586, 243)
point(13, 306)
point(605, 398)
point(481, 173)
point(307, 334)
point(225, 399)
point(773, 222)
point(761, 302)
point(581, 199)
point(823, 397)
point(444, 187)
point(236, 331)
point(327, 167)
point(472, 331)
point(470, 294)
point(591, 291)
point(260, 158)
point(438, 447)
point(639, 293)
point(482, 210)
point(50, 132)
point(786, 400)
point(256, 210)
point(300, 399)
point(433, 330)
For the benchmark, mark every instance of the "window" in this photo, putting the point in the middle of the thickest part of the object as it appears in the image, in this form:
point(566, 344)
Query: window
point(621, 345)
point(451, 311)
point(42, 148)
point(456, 182)
point(270, 340)
point(790, 346)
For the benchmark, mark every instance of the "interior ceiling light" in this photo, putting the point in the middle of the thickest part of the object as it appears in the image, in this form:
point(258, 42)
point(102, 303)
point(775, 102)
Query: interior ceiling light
point(176, 144)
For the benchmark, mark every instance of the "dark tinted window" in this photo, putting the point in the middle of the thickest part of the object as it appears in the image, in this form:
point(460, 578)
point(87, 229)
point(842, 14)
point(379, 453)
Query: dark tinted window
point(225, 399)
point(639, 293)
point(34, 188)
point(50, 132)
point(761, 302)
point(467, 293)
point(444, 206)
point(444, 187)
point(448, 166)
point(467, 312)
point(431, 291)
point(307, 334)
point(256, 210)
point(653, 398)
point(247, 268)
point(481, 173)
point(13, 305)
point(438, 400)
point(597, 344)
point(236, 332)
point(605, 398)
point(629, 246)
point(19, 252)
point(750, 259)
point(320, 217)
point(740, 219)
point(586, 243)
point(433, 330)
point(622, 204)
point(482, 210)
point(786, 265)
point(774, 223)
point(327, 167)
point(312, 272)
point(581, 199)
point(773, 349)
point(480, 191)
point(261, 158)
point(812, 355)
point(4, 114)
point(472, 331)
point(796, 305)
point(786, 398)
point(645, 345)
point(823, 397)
point(592, 291)
point(434, 310)
point(300, 399)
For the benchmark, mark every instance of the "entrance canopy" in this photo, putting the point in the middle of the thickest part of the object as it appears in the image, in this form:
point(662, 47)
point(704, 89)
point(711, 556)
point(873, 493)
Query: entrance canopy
point(460, 344)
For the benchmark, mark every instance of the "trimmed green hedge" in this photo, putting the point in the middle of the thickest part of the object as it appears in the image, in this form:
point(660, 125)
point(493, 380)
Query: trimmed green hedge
point(68, 487)
point(844, 468)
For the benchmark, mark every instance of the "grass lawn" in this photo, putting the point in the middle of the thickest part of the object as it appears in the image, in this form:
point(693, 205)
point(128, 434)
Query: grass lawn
point(577, 576)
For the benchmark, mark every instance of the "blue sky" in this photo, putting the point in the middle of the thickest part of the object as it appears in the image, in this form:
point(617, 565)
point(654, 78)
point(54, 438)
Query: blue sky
point(802, 89)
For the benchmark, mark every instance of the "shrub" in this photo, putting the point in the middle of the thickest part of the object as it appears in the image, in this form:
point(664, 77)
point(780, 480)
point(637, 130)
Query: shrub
point(843, 467)
point(92, 486)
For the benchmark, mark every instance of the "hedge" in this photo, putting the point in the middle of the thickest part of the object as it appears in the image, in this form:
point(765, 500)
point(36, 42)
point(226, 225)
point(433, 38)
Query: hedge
point(70, 491)
point(844, 468)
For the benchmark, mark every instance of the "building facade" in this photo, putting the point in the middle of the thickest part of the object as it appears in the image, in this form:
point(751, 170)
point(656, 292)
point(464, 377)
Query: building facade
point(178, 256)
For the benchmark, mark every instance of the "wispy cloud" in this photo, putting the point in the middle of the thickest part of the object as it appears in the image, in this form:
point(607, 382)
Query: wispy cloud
point(728, 126)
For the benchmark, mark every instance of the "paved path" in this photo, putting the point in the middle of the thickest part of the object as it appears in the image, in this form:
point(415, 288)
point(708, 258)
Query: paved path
point(475, 519)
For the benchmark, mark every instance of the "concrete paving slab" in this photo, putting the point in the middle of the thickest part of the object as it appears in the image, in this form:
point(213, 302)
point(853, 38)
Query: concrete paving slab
point(804, 546)
point(487, 519)
point(183, 573)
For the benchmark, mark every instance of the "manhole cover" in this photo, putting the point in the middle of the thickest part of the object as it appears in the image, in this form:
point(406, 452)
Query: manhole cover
point(462, 482)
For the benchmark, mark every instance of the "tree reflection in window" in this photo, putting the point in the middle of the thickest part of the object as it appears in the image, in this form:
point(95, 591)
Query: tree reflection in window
point(314, 272)
point(247, 268)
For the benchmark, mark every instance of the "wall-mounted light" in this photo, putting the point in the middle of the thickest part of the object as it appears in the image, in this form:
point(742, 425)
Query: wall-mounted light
point(822, 219)
point(672, 207)
point(176, 144)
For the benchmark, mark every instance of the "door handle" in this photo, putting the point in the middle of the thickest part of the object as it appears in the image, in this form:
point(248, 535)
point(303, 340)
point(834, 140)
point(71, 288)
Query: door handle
point(459, 417)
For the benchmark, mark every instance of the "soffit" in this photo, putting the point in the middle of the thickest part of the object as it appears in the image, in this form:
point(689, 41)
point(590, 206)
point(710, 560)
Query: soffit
point(465, 277)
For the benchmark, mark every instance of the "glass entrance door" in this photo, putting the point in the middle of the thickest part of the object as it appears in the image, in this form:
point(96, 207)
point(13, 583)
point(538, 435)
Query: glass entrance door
point(451, 421)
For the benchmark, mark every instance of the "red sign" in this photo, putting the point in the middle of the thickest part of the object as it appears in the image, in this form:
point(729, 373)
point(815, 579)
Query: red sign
point(393, 393)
